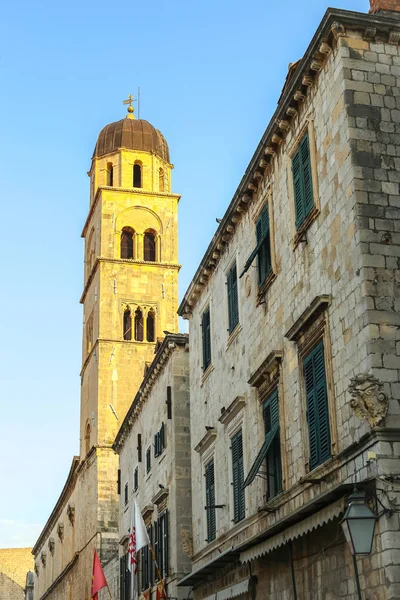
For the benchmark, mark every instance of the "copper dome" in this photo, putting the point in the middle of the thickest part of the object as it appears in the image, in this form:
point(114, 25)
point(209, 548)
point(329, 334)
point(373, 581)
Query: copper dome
point(133, 134)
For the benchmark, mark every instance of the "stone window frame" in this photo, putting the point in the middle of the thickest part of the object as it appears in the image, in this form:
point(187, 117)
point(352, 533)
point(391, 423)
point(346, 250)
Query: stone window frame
point(206, 448)
point(267, 199)
point(311, 328)
point(299, 235)
point(235, 332)
point(233, 420)
point(266, 379)
point(207, 303)
point(145, 308)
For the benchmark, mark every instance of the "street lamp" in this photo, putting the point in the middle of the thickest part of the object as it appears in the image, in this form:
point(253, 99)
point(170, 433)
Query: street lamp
point(358, 525)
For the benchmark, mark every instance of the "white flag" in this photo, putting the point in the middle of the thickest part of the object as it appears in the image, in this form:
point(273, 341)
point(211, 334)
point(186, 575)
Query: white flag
point(138, 537)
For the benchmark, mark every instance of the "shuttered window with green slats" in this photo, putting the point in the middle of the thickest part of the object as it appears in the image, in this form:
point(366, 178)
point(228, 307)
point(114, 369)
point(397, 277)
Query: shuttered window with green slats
point(264, 245)
point(238, 477)
point(233, 302)
point(273, 456)
point(210, 501)
point(206, 337)
point(302, 181)
point(317, 406)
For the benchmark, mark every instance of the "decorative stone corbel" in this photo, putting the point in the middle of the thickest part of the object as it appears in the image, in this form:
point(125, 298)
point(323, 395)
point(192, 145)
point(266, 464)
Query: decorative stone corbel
point(291, 111)
point(270, 151)
point(52, 544)
point(276, 139)
point(370, 33)
point(368, 401)
point(338, 30)
point(308, 81)
point(299, 96)
point(71, 513)
point(325, 48)
point(37, 568)
point(43, 558)
point(284, 125)
point(263, 164)
point(187, 542)
point(394, 37)
point(60, 531)
point(257, 175)
point(316, 65)
point(252, 187)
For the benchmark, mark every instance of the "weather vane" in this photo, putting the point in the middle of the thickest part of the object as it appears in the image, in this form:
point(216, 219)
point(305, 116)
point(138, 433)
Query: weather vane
point(129, 101)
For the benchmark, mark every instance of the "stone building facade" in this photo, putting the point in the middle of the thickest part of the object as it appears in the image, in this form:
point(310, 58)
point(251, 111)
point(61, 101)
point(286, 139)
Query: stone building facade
point(129, 299)
point(153, 445)
point(294, 328)
point(15, 563)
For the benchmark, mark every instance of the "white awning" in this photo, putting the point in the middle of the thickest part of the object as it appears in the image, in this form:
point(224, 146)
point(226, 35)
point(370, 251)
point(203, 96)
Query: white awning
point(292, 532)
point(233, 590)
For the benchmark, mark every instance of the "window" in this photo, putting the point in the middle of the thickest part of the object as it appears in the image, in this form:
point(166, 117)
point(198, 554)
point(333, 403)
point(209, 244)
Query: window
point(317, 406)
point(161, 544)
point(169, 402)
point(124, 578)
point(138, 325)
point(161, 183)
point(128, 324)
point(126, 494)
point(139, 447)
point(136, 479)
point(273, 456)
point(137, 175)
point(238, 477)
point(159, 441)
point(148, 460)
point(110, 174)
point(302, 181)
point(146, 563)
point(127, 242)
point(149, 246)
point(210, 502)
point(233, 303)
point(87, 438)
point(263, 248)
point(206, 338)
point(150, 330)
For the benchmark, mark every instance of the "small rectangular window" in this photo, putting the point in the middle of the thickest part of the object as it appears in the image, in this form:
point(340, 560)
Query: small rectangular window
point(273, 456)
point(169, 402)
point(317, 406)
point(238, 477)
point(139, 447)
point(119, 482)
point(263, 248)
point(148, 460)
point(302, 182)
point(126, 494)
point(206, 338)
point(210, 502)
point(161, 542)
point(136, 479)
point(233, 301)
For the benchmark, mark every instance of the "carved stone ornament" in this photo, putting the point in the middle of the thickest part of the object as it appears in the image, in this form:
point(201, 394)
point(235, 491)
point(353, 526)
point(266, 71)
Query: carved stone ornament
point(368, 401)
point(37, 568)
point(187, 542)
point(52, 545)
point(71, 513)
point(43, 558)
point(60, 531)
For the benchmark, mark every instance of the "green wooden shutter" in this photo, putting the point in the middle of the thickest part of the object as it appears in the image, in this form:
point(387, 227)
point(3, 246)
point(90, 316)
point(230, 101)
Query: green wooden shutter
point(264, 246)
point(206, 335)
point(238, 477)
point(307, 177)
point(210, 502)
point(233, 303)
point(317, 406)
point(298, 189)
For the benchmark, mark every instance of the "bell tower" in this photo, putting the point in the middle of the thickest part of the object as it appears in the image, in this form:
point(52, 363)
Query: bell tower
point(130, 293)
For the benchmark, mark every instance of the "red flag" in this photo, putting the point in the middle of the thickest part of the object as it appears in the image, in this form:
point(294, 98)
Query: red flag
point(98, 579)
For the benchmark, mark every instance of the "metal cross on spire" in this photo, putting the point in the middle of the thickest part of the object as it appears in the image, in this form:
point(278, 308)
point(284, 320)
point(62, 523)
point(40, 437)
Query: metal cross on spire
point(129, 101)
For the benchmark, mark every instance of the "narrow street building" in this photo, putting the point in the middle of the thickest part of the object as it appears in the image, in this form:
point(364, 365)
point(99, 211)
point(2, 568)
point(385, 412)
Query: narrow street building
point(294, 321)
point(153, 445)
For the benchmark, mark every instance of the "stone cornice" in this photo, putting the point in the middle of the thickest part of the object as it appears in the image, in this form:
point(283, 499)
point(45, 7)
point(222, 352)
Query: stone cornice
point(334, 25)
point(163, 352)
point(130, 261)
point(126, 191)
point(64, 496)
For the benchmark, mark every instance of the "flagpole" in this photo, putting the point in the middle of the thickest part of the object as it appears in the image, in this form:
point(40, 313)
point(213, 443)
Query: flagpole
point(158, 570)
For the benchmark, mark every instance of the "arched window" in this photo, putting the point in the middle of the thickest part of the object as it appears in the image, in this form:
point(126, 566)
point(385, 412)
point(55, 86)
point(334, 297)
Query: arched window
point(127, 325)
point(161, 185)
point(149, 246)
point(150, 328)
point(127, 242)
point(110, 174)
point(87, 438)
point(138, 325)
point(137, 175)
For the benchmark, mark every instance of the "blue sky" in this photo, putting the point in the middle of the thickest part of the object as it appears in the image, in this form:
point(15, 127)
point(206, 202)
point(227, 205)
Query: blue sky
point(210, 75)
